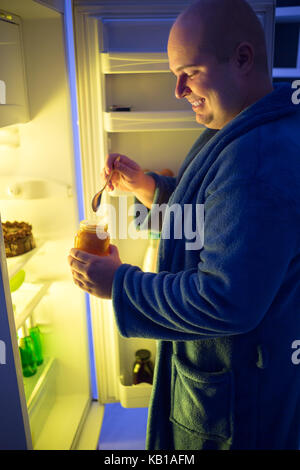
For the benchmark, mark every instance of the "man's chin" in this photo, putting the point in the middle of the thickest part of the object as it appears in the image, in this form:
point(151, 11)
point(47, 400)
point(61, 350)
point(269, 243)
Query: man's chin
point(206, 121)
point(201, 119)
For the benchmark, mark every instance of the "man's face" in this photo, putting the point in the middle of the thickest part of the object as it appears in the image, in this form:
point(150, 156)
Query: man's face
point(207, 84)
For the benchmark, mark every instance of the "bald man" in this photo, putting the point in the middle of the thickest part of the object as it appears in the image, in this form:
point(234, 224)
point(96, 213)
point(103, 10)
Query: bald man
point(217, 51)
point(226, 314)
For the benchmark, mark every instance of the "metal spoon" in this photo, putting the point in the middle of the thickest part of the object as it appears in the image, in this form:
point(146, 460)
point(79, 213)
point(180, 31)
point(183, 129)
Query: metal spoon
point(97, 198)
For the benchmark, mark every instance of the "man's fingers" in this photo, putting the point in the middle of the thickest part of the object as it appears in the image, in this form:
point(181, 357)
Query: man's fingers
point(80, 255)
point(78, 260)
point(113, 250)
point(112, 162)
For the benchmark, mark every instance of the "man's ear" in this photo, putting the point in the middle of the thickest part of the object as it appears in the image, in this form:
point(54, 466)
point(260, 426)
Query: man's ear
point(244, 57)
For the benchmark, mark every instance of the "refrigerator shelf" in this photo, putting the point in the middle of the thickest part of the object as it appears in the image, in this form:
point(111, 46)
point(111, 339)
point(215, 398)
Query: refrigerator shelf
point(26, 299)
point(133, 121)
point(16, 263)
point(134, 62)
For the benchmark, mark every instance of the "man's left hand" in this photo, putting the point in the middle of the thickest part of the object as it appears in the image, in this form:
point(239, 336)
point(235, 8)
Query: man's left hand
point(94, 274)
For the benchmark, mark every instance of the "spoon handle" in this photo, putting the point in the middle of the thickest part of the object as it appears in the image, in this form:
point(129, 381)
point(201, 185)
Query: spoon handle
point(97, 198)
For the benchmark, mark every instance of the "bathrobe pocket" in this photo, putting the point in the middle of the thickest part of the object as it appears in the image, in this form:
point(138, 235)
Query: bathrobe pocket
point(202, 402)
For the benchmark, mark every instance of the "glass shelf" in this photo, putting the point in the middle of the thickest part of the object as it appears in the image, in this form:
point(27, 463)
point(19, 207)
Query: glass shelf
point(133, 121)
point(16, 263)
point(126, 62)
point(26, 299)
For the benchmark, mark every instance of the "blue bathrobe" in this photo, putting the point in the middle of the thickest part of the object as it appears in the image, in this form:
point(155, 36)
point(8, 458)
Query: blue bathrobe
point(227, 315)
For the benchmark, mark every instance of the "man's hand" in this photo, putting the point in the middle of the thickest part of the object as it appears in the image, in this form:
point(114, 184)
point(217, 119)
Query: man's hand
point(94, 274)
point(128, 176)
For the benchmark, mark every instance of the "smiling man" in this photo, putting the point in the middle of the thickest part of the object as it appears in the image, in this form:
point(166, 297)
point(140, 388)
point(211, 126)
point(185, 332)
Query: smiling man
point(218, 54)
point(225, 315)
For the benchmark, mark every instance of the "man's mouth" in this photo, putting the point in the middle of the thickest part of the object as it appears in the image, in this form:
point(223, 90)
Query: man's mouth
point(198, 103)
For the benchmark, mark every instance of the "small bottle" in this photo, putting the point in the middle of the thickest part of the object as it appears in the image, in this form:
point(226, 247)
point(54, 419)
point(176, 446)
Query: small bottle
point(28, 357)
point(92, 238)
point(35, 335)
point(143, 367)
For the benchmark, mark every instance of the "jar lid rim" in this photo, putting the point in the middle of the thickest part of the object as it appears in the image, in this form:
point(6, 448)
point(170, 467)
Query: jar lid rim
point(93, 225)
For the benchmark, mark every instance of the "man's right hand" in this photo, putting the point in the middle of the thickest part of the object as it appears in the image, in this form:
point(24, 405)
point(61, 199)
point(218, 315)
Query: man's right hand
point(129, 177)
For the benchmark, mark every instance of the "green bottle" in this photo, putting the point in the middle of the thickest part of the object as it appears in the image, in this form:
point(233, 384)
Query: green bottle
point(28, 357)
point(35, 335)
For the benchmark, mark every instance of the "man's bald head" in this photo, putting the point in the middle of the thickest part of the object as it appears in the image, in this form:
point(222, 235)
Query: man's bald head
point(220, 26)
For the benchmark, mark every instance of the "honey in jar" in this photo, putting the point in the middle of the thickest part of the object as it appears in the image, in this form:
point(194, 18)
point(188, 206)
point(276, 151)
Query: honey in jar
point(92, 238)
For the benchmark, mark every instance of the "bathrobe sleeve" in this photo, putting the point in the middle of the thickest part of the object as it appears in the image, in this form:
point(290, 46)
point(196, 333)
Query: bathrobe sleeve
point(164, 187)
point(250, 238)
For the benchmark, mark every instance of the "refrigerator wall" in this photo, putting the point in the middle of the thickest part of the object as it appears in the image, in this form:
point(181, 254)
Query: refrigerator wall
point(37, 185)
point(122, 61)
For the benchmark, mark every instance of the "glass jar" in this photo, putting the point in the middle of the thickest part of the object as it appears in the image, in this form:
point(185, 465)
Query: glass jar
point(92, 238)
point(143, 367)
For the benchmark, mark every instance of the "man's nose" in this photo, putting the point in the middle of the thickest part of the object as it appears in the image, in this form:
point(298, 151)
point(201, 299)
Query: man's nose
point(181, 89)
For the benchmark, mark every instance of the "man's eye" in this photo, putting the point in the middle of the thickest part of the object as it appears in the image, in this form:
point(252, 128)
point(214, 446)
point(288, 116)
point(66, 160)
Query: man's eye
point(191, 74)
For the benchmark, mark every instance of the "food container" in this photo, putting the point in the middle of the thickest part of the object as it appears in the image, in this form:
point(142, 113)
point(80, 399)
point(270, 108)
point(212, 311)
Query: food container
point(92, 238)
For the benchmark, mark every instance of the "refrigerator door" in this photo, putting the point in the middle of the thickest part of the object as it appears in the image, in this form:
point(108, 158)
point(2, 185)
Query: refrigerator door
point(14, 424)
point(54, 408)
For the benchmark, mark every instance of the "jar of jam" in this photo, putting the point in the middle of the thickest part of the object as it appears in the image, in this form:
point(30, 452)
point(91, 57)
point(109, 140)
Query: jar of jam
point(143, 367)
point(92, 238)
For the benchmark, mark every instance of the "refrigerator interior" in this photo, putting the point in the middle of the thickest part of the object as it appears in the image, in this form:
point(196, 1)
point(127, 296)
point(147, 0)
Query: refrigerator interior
point(37, 185)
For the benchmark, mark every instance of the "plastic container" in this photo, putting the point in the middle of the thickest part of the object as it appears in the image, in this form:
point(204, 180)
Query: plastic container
point(92, 238)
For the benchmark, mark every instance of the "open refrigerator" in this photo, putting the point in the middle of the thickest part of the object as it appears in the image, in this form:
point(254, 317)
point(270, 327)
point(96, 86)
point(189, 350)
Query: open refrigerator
point(81, 64)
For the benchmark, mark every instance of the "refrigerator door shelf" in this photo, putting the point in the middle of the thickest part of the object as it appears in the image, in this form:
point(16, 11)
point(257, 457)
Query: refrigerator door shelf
point(127, 62)
point(32, 188)
point(36, 385)
point(134, 396)
point(40, 396)
point(150, 121)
